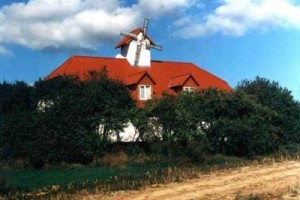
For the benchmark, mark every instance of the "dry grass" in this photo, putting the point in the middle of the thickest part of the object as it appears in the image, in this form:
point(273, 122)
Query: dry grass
point(118, 159)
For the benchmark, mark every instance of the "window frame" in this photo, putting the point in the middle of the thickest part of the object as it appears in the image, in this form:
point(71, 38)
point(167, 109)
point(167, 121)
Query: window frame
point(189, 89)
point(145, 92)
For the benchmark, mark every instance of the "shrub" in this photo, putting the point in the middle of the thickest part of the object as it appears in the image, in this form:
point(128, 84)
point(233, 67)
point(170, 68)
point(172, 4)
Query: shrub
point(196, 151)
point(271, 94)
point(292, 149)
point(241, 127)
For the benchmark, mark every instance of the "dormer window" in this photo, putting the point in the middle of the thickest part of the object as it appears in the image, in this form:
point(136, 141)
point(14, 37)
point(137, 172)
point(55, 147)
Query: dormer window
point(145, 92)
point(185, 82)
point(189, 89)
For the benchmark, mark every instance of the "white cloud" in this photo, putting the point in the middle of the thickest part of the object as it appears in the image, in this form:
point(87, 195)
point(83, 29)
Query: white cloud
point(76, 24)
point(158, 8)
point(4, 51)
point(234, 17)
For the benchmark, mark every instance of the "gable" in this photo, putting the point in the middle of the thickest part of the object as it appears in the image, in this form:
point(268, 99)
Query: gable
point(142, 77)
point(183, 80)
point(191, 82)
point(146, 80)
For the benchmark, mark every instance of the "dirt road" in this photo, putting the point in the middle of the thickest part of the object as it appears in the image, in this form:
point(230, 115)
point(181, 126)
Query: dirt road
point(269, 180)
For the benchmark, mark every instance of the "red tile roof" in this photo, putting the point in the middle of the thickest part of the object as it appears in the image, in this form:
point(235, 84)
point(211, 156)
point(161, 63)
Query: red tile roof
point(126, 40)
point(162, 73)
point(181, 80)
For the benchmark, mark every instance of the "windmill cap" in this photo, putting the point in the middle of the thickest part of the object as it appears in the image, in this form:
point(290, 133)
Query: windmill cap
point(127, 39)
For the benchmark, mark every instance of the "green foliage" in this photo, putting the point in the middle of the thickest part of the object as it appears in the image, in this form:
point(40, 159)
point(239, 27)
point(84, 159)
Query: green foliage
point(219, 122)
point(70, 120)
point(280, 100)
point(58, 120)
point(58, 134)
point(15, 109)
point(106, 103)
point(242, 127)
point(15, 97)
point(67, 129)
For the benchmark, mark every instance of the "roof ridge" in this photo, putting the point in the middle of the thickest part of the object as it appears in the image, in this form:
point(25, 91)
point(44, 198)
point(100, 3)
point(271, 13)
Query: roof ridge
point(85, 56)
point(169, 61)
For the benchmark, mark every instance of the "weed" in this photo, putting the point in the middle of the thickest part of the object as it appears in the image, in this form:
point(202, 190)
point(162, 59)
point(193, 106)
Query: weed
point(249, 197)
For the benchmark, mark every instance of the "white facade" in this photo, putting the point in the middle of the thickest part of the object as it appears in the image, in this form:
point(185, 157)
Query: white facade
point(129, 134)
point(135, 56)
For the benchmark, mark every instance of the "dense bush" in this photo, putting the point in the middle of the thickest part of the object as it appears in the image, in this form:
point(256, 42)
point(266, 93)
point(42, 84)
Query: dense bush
point(280, 100)
point(218, 122)
point(70, 120)
point(15, 115)
point(63, 122)
point(242, 127)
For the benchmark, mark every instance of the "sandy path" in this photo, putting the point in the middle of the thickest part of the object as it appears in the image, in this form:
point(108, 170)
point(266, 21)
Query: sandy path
point(267, 179)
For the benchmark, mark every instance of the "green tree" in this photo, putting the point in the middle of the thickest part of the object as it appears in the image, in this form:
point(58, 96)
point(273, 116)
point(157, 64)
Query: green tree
point(58, 134)
point(280, 100)
point(230, 123)
point(107, 104)
point(15, 118)
point(243, 127)
point(69, 113)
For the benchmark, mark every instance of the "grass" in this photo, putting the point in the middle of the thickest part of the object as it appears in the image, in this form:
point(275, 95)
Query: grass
point(52, 181)
point(29, 183)
point(30, 179)
point(18, 183)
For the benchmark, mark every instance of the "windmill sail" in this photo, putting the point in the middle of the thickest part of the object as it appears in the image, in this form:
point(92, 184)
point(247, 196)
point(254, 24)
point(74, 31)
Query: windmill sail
point(156, 47)
point(129, 34)
point(145, 27)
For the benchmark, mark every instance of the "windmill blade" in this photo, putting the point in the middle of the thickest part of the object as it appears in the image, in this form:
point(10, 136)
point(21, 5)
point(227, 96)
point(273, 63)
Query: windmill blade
point(129, 35)
point(145, 27)
point(156, 47)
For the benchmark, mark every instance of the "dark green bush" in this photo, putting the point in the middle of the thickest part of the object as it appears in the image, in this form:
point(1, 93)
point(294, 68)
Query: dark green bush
point(280, 100)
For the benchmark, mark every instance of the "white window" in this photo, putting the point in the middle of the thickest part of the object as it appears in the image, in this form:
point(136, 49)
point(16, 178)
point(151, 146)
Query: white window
point(189, 89)
point(145, 92)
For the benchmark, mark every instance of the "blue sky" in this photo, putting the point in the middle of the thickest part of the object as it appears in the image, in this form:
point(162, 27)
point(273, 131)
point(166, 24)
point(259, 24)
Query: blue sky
point(233, 39)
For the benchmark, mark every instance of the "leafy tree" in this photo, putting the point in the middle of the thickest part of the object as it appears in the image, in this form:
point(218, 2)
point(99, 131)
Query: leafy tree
point(280, 100)
point(171, 119)
point(15, 109)
point(107, 104)
point(230, 123)
point(67, 122)
point(15, 97)
point(144, 125)
point(58, 134)
point(243, 127)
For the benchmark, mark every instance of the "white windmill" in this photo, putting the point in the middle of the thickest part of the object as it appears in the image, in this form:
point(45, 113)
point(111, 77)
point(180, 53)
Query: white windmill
point(136, 46)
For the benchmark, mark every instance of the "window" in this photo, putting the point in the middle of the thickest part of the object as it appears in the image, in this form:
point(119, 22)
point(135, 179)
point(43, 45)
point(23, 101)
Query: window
point(189, 89)
point(145, 92)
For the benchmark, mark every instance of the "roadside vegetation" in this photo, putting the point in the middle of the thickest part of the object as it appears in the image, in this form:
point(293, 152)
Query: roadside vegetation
point(55, 135)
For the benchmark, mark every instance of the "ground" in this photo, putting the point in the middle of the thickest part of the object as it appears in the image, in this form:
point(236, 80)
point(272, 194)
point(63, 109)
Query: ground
point(272, 181)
